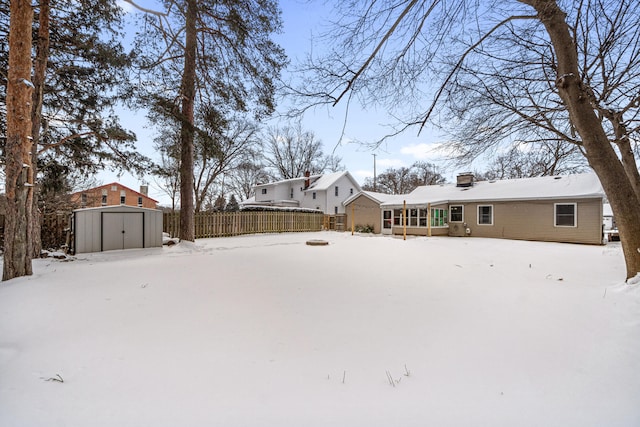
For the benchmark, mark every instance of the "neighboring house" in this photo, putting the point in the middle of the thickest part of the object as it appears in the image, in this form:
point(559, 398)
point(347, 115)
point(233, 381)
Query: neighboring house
point(325, 192)
point(113, 194)
point(557, 208)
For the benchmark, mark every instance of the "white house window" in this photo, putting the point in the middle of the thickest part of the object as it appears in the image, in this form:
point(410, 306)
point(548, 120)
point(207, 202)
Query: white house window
point(456, 213)
point(565, 214)
point(412, 220)
point(83, 199)
point(422, 217)
point(439, 217)
point(336, 190)
point(123, 197)
point(264, 191)
point(485, 215)
point(313, 195)
point(114, 188)
point(397, 217)
point(104, 197)
point(140, 201)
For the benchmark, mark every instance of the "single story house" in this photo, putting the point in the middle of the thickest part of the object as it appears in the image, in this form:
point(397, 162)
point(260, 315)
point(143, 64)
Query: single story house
point(324, 192)
point(552, 208)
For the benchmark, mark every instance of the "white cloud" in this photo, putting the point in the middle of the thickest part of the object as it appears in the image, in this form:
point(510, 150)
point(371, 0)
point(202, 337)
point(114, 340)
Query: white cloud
point(361, 174)
point(424, 151)
point(389, 163)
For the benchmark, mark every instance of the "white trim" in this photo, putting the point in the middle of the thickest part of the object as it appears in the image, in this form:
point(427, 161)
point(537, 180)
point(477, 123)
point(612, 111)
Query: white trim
point(478, 214)
point(575, 215)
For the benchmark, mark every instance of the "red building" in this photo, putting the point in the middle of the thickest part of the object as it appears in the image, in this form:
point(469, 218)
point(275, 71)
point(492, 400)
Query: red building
point(114, 194)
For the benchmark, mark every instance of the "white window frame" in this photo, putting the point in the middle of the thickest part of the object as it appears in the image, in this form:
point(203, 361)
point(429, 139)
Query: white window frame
point(575, 215)
point(478, 212)
point(444, 218)
point(263, 191)
point(451, 216)
point(123, 197)
point(140, 202)
point(337, 192)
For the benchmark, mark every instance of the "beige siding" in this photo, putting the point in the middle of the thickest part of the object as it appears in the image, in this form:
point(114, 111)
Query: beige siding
point(534, 220)
point(365, 212)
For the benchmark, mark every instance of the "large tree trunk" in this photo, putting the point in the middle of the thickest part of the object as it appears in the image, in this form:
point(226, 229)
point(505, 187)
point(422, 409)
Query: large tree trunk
point(187, 227)
point(39, 72)
point(17, 237)
point(599, 151)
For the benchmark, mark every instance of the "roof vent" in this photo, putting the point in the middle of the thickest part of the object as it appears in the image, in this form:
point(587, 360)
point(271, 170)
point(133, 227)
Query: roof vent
point(557, 177)
point(464, 179)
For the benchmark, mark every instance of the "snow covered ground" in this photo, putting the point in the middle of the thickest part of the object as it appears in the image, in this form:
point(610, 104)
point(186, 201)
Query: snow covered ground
point(367, 331)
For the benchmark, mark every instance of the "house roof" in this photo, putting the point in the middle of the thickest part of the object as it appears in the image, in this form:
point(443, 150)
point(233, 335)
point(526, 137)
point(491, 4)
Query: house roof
point(379, 198)
point(327, 180)
point(318, 182)
point(289, 181)
point(584, 185)
point(118, 184)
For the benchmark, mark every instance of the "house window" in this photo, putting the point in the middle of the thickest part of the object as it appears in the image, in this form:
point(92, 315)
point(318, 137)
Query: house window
point(397, 217)
point(335, 209)
point(104, 197)
point(422, 217)
point(439, 217)
point(114, 188)
point(336, 190)
point(140, 201)
point(485, 215)
point(291, 193)
point(313, 195)
point(123, 197)
point(351, 191)
point(412, 217)
point(83, 199)
point(456, 213)
point(565, 214)
point(264, 191)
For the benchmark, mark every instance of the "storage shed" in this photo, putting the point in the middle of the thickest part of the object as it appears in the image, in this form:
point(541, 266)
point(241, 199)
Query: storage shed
point(116, 227)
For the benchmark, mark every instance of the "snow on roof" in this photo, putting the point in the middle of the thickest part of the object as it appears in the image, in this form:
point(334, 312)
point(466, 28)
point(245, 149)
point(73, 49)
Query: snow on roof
point(327, 180)
point(584, 185)
point(290, 180)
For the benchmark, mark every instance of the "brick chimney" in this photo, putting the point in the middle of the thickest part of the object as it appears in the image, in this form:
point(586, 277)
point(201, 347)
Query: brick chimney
point(307, 181)
point(464, 179)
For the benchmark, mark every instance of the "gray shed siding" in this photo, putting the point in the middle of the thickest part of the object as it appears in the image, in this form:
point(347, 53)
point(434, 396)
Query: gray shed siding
point(101, 229)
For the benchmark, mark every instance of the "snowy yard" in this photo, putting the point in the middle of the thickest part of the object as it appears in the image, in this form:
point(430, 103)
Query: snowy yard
point(267, 331)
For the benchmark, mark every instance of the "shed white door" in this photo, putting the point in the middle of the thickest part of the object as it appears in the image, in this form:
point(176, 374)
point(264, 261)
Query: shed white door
point(122, 230)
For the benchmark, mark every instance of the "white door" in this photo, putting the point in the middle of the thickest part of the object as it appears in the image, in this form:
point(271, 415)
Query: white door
point(387, 221)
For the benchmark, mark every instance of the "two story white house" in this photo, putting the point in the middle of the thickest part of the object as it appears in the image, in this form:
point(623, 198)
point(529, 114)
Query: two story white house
point(325, 192)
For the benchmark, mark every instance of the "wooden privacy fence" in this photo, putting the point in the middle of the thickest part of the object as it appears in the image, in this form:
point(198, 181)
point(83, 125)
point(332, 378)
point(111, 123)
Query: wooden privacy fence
point(218, 224)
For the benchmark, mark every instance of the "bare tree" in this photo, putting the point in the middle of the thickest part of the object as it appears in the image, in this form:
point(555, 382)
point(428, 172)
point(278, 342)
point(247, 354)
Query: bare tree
point(524, 162)
point(502, 73)
point(403, 180)
point(246, 175)
point(220, 148)
point(290, 152)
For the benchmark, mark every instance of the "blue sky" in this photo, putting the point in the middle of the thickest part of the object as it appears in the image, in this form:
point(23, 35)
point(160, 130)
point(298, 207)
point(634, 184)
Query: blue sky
point(302, 20)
